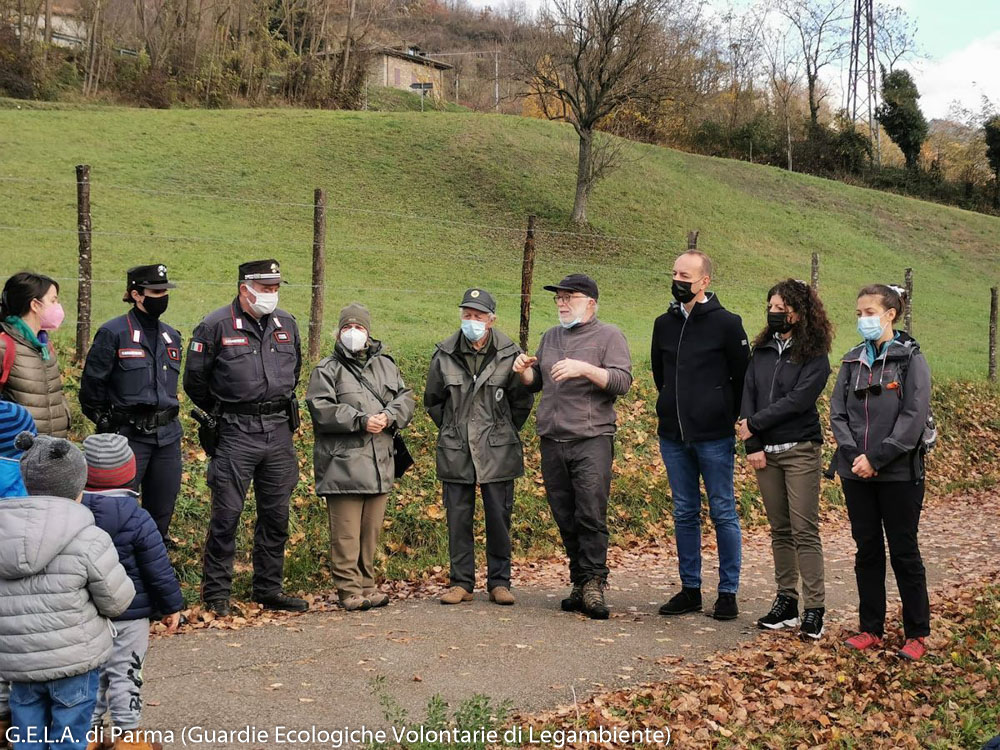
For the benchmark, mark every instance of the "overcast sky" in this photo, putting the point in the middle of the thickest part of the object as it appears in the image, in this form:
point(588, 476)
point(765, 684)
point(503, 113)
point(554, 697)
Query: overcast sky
point(961, 39)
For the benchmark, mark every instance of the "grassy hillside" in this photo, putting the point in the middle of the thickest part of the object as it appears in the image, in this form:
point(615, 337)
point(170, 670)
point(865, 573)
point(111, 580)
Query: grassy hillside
point(422, 206)
point(392, 180)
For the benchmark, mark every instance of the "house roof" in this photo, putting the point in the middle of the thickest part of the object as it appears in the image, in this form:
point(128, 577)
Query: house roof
point(421, 59)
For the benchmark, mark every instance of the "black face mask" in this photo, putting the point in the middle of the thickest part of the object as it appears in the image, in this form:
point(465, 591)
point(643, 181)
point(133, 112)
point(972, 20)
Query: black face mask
point(156, 306)
point(777, 322)
point(682, 291)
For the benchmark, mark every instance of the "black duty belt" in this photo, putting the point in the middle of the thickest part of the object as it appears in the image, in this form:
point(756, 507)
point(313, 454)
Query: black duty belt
point(259, 409)
point(146, 419)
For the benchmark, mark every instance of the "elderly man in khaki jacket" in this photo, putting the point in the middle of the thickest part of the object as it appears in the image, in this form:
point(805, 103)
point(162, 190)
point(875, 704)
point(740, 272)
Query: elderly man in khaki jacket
point(479, 406)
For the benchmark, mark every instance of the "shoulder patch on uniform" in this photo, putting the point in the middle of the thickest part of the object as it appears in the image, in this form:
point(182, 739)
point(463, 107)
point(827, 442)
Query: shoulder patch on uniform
point(235, 341)
point(174, 353)
point(197, 346)
point(131, 353)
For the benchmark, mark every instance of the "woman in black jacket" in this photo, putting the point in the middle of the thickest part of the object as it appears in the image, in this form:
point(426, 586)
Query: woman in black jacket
point(781, 431)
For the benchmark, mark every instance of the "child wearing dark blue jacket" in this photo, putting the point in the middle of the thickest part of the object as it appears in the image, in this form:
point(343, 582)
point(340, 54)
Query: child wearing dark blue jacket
point(14, 419)
point(110, 473)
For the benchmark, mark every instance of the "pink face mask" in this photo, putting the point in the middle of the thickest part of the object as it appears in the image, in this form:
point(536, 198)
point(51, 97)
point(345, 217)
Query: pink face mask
point(52, 317)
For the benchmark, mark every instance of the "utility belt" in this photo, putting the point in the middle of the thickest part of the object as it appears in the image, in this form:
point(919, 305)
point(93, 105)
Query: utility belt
point(259, 409)
point(145, 419)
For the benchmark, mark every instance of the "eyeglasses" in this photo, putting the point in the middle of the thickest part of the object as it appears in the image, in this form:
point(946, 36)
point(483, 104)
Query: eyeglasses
point(565, 298)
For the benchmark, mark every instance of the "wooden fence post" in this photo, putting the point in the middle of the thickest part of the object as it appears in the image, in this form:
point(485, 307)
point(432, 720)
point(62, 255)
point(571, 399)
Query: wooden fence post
point(318, 274)
point(527, 271)
point(909, 301)
point(993, 335)
point(693, 240)
point(84, 263)
point(814, 276)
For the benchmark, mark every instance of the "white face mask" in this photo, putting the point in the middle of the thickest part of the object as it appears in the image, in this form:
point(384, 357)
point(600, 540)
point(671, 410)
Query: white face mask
point(265, 304)
point(354, 339)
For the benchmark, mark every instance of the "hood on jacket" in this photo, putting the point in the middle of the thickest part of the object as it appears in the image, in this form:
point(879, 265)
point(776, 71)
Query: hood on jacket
point(111, 509)
point(33, 530)
point(903, 346)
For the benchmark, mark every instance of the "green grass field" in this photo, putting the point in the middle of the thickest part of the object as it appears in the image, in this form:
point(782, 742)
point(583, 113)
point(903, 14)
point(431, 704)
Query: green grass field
point(423, 205)
point(419, 209)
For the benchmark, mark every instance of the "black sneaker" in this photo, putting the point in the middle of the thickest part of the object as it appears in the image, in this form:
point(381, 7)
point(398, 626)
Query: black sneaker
point(593, 599)
point(812, 624)
point(573, 602)
point(725, 607)
point(684, 601)
point(784, 614)
point(281, 601)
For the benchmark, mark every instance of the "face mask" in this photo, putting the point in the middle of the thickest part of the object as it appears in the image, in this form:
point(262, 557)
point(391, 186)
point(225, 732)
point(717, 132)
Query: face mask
point(870, 327)
point(265, 304)
point(682, 291)
point(777, 322)
point(473, 330)
point(353, 339)
point(156, 306)
point(52, 317)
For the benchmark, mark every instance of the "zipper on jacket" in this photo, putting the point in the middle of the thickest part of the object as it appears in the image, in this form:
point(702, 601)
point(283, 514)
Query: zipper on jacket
point(677, 376)
point(774, 377)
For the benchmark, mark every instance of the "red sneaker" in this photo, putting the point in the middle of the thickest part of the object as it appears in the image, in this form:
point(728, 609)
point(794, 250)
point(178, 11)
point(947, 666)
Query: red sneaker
point(861, 641)
point(913, 649)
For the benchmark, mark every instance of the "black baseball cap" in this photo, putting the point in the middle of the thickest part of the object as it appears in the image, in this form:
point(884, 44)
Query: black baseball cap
point(575, 282)
point(267, 271)
point(479, 299)
point(149, 277)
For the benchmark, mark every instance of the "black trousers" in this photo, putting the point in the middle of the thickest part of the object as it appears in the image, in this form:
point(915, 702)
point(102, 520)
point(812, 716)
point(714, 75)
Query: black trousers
point(158, 480)
point(267, 458)
point(460, 505)
point(892, 508)
point(577, 478)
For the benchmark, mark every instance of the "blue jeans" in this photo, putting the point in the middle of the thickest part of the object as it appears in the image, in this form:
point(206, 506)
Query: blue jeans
point(53, 715)
point(713, 461)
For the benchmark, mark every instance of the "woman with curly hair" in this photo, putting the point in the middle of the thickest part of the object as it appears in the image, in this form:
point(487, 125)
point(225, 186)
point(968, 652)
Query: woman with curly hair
point(780, 427)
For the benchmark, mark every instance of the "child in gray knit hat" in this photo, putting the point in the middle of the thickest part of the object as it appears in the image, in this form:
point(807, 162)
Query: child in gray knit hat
point(60, 579)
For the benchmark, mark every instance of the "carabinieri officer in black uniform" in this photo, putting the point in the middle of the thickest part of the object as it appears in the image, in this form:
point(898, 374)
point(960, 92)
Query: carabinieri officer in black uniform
point(243, 365)
point(129, 386)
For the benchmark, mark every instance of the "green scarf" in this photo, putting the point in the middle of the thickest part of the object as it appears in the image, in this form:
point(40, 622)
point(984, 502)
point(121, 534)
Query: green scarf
point(22, 328)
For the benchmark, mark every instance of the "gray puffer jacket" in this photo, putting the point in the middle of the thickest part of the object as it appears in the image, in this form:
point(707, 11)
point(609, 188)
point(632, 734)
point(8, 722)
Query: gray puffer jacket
point(60, 580)
point(348, 460)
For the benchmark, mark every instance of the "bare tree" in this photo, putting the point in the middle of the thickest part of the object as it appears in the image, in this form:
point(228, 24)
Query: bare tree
point(820, 27)
point(895, 36)
point(593, 57)
point(784, 72)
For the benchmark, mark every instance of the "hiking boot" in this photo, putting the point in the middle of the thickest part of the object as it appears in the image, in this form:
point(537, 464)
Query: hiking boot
point(219, 607)
point(593, 599)
point(861, 641)
point(456, 595)
point(501, 595)
point(377, 598)
point(573, 602)
point(913, 650)
point(684, 601)
point(812, 624)
point(725, 607)
point(356, 603)
point(784, 614)
point(281, 601)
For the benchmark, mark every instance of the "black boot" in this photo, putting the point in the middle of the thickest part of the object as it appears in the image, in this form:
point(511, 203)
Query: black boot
point(219, 607)
point(684, 601)
point(725, 607)
point(281, 601)
point(573, 602)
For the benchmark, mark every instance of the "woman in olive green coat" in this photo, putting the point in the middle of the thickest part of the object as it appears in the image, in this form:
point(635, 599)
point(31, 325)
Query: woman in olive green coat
point(357, 400)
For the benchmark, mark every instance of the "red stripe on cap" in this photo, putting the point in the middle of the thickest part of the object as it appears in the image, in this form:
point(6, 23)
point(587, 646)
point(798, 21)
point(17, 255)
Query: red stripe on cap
point(111, 479)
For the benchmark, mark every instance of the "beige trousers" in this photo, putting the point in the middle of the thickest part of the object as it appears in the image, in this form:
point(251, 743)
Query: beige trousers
point(355, 526)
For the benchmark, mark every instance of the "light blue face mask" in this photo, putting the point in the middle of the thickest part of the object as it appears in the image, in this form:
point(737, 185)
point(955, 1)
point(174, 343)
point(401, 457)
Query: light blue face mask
point(570, 324)
point(870, 327)
point(473, 330)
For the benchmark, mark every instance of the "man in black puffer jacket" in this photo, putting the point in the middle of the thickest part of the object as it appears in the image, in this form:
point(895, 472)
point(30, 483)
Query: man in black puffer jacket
point(699, 357)
point(110, 472)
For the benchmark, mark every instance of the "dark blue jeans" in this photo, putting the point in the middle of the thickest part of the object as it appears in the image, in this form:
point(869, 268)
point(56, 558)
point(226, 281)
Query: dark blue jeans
point(712, 460)
point(53, 715)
